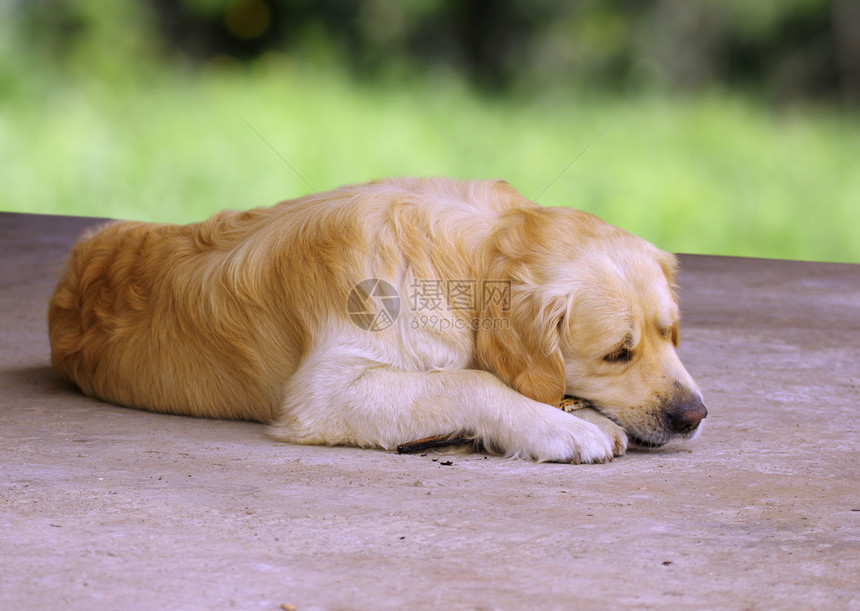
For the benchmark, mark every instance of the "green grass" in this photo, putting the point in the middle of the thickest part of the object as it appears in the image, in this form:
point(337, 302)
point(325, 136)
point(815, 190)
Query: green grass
point(715, 173)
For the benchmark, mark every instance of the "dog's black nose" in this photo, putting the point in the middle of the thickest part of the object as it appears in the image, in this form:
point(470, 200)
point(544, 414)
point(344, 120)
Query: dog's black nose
point(687, 413)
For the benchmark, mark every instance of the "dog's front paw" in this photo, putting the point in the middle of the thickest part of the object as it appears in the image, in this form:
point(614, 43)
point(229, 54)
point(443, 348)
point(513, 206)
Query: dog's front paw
point(561, 437)
point(615, 433)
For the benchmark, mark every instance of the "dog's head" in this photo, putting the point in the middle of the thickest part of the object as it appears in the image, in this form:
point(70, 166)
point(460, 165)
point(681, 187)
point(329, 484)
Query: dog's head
point(592, 314)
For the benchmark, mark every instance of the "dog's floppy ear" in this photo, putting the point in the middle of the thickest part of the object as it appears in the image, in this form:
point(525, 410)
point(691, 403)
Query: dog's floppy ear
point(669, 265)
point(521, 345)
point(519, 334)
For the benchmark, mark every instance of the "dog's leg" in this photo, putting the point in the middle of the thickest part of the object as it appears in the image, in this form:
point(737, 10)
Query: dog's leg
point(354, 401)
point(615, 433)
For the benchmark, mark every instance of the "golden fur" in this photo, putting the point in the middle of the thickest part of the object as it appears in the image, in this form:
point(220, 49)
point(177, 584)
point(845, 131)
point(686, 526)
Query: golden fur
point(246, 316)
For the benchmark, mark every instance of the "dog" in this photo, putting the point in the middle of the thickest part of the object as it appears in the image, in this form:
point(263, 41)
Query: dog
point(381, 313)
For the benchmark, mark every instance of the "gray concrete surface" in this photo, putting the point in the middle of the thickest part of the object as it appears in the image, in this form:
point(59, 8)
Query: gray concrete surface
point(109, 508)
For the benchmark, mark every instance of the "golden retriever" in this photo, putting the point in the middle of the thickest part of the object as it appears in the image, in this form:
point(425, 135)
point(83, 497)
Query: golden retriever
point(377, 314)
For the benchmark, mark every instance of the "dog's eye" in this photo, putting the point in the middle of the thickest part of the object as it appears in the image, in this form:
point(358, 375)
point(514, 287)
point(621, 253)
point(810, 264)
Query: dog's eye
point(619, 356)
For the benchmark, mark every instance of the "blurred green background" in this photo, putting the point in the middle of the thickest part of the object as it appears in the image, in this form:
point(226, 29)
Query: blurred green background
point(734, 125)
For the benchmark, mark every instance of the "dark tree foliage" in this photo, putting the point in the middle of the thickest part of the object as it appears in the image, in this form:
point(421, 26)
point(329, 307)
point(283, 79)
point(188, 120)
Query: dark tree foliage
point(786, 49)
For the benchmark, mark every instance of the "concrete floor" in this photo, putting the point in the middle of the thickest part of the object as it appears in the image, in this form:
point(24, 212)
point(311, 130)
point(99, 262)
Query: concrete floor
point(109, 508)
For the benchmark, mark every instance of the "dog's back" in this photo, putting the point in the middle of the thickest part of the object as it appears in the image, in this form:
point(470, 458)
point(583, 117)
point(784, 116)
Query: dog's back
point(210, 319)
